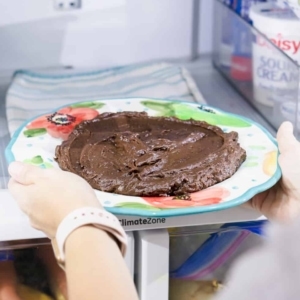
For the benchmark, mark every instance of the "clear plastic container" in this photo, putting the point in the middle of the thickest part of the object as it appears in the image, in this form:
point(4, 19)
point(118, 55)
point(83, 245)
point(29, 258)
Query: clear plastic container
point(265, 75)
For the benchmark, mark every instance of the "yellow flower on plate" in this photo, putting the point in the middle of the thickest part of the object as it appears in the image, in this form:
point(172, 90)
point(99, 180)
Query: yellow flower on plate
point(270, 163)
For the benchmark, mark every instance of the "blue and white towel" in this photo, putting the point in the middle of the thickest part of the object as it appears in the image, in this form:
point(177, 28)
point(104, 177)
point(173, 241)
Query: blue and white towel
point(34, 93)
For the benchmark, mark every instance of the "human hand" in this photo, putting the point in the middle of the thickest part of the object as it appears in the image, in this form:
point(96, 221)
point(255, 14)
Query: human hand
point(282, 201)
point(48, 195)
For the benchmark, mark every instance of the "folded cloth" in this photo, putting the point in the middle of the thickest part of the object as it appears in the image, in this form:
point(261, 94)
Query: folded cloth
point(33, 93)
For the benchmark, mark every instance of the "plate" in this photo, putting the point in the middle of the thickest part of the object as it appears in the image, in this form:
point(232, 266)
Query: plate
point(36, 140)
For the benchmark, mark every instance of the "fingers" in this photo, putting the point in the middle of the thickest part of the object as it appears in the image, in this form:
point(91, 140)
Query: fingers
point(23, 194)
point(19, 193)
point(285, 137)
point(24, 173)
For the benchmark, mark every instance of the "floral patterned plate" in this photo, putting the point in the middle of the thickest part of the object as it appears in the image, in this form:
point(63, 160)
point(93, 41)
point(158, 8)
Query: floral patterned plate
point(36, 140)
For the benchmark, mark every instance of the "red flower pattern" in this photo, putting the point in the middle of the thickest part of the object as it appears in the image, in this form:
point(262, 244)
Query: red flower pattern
point(205, 197)
point(61, 123)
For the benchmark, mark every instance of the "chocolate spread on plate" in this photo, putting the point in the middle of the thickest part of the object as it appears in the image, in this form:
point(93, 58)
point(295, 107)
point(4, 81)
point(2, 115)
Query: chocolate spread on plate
point(131, 153)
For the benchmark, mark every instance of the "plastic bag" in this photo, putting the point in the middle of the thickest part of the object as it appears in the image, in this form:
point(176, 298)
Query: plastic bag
point(214, 249)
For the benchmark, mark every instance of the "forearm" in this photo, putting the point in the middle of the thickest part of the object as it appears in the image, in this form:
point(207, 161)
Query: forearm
point(95, 267)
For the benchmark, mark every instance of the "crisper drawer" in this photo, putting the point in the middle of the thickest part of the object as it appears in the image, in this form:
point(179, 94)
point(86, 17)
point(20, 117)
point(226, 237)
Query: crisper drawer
point(31, 273)
point(28, 270)
point(191, 262)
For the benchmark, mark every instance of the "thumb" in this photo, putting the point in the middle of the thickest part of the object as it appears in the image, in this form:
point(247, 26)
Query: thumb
point(285, 137)
point(24, 173)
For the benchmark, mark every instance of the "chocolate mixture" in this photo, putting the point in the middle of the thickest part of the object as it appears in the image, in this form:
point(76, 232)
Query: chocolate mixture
point(131, 153)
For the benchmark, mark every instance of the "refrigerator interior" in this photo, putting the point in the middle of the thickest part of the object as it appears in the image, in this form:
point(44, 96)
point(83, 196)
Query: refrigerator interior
point(106, 35)
point(28, 269)
point(192, 262)
point(30, 272)
point(202, 268)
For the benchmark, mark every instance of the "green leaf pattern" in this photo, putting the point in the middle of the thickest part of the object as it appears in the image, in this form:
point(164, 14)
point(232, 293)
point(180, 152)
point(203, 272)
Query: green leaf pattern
point(134, 205)
point(39, 162)
point(34, 132)
point(93, 105)
point(185, 112)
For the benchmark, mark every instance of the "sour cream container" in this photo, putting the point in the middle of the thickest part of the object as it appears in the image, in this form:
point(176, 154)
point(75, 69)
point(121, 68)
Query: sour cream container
point(274, 76)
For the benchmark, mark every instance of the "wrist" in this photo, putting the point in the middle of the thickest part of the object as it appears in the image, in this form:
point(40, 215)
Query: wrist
point(87, 217)
point(65, 212)
point(87, 234)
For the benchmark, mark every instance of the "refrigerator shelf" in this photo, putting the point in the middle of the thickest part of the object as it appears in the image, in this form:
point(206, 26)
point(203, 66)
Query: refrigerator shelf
point(215, 90)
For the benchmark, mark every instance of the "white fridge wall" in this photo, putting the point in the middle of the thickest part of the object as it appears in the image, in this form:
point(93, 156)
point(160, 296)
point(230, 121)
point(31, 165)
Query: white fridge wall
point(205, 26)
point(100, 34)
point(16, 11)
